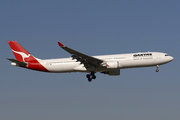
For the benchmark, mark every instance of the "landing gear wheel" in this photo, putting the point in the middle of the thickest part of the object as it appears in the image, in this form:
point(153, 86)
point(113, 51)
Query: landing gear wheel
point(94, 77)
point(157, 66)
point(92, 73)
point(91, 76)
point(88, 76)
point(89, 79)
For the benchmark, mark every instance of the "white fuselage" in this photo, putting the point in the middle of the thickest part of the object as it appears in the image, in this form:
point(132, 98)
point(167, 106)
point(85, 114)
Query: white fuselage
point(111, 62)
point(80, 62)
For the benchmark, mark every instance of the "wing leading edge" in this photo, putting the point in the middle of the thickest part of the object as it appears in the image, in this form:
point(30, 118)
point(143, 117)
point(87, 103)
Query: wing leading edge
point(87, 60)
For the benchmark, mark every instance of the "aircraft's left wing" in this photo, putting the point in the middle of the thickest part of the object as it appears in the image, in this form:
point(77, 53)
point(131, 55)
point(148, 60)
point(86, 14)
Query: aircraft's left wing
point(83, 58)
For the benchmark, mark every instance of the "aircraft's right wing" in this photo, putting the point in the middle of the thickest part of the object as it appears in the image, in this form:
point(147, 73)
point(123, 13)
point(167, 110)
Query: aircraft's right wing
point(83, 58)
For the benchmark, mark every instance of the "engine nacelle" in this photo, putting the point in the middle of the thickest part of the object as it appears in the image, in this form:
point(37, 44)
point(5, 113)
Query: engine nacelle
point(113, 72)
point(112, 64)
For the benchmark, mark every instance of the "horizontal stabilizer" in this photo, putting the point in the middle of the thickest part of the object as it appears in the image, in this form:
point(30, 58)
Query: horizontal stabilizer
point(18, 62)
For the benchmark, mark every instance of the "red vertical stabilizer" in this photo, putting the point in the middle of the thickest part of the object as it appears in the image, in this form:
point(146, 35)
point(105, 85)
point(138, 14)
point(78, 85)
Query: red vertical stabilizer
point(23, 55)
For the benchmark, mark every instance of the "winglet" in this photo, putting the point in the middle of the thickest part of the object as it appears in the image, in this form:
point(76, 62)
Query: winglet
point(60, 44)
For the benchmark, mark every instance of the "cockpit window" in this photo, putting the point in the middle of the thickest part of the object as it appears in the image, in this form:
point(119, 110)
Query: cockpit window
point(166, 55)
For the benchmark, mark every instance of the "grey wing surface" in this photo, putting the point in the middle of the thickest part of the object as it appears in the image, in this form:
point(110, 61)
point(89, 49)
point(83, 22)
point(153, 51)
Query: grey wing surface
point(82, 58)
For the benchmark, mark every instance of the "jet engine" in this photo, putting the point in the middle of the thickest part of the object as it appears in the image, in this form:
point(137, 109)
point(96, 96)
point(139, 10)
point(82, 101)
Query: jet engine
point(112, 64)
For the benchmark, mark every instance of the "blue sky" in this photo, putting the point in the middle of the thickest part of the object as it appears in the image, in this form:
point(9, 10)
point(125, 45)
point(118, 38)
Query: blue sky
point(95, 27)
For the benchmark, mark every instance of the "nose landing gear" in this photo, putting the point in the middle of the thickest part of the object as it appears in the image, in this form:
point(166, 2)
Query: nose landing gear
point(91, 76)
point(157, 70)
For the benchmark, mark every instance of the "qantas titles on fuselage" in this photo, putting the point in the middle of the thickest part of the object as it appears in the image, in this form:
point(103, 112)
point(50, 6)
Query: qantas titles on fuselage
point(145, 54)
point(107, 64)
point(140, 56)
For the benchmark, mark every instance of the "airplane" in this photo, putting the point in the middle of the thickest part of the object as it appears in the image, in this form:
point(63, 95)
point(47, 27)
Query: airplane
point(80, 62)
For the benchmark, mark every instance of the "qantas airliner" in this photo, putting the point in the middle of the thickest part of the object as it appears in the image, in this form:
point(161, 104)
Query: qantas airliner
point(79, 62)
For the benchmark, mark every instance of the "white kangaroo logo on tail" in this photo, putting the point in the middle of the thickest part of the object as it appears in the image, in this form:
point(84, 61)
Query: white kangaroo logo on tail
point(23, 55)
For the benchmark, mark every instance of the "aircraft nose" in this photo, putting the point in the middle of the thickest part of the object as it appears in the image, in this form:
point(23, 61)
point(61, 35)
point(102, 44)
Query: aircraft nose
point(171, 58)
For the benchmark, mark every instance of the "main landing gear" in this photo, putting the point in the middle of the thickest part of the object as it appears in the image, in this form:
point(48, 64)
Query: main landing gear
point(157, 70)
point(91, 76)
